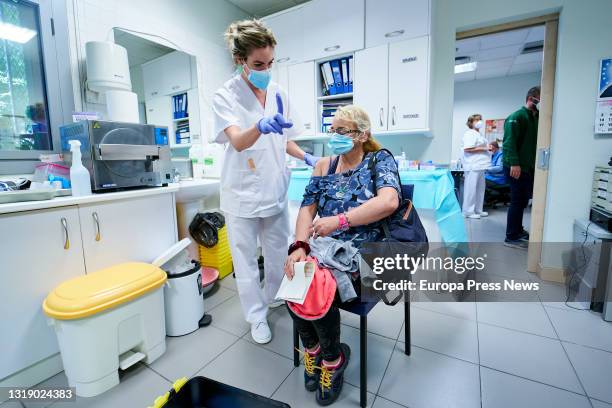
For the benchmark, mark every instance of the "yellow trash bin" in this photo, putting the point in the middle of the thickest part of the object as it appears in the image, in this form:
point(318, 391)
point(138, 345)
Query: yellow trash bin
point(106, 320)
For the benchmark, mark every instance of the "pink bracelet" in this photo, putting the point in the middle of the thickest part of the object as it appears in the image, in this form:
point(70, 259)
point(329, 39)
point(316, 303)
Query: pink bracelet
point(343, 224)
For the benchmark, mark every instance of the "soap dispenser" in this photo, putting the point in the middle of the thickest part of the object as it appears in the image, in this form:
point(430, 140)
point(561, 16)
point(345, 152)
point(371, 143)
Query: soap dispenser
point(79, 176)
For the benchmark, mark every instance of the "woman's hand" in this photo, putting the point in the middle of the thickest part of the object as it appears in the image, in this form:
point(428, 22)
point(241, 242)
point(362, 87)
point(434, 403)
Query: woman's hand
point(299, 255)
point(324, 226)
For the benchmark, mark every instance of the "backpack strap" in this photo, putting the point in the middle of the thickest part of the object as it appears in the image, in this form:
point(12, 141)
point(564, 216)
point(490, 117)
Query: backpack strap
point(333, 165)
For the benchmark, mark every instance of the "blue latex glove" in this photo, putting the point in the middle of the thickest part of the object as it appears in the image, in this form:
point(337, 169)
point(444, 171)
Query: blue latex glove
point(310, 159)
point(276, 123)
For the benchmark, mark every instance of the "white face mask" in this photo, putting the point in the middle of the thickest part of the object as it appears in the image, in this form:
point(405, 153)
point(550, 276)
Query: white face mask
point(478, 125)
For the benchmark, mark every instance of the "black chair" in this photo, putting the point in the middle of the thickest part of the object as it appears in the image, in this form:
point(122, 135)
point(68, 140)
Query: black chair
point(496, 194)
point(361, 309)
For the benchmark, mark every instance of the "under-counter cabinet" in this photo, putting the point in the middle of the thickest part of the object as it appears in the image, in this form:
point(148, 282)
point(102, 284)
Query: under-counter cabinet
point(42, 248)
point(126, 230)
point(392, 83)
point(39, 250)
point(332, 28)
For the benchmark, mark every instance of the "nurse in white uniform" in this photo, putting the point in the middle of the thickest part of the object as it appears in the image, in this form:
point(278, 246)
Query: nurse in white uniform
point(253, 118)
point(476, 161)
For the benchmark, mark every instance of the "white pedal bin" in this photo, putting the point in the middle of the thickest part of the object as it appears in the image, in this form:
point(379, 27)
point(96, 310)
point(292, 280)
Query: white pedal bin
point(106, 320)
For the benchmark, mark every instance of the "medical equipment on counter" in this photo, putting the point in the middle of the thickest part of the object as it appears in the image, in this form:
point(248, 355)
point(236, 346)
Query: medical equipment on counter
point(107, 66)
point(108, 72)
point(121, 155)
point(183, 294)
point(108, 320)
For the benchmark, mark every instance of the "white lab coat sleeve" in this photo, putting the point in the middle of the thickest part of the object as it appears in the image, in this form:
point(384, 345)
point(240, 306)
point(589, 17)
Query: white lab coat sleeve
point(292, 114)
point(224, 116)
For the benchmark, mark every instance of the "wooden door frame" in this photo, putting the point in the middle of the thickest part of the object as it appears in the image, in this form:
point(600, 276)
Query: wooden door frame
point(540, 185)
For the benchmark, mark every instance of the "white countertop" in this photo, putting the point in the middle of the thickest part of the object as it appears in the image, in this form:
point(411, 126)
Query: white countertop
point(94, 198)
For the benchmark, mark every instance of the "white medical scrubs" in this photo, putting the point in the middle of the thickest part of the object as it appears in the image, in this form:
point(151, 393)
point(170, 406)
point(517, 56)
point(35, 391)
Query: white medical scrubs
point(475, 165)
point(254, 185)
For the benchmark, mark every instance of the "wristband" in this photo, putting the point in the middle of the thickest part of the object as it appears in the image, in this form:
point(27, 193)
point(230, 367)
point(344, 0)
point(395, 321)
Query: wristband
point(343, 223)
point(297, 245)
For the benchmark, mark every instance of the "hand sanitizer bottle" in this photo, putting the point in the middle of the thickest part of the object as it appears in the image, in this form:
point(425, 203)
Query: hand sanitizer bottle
point(79, 176)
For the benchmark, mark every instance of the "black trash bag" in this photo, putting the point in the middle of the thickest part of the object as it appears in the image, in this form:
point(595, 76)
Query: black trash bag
point(204, 228)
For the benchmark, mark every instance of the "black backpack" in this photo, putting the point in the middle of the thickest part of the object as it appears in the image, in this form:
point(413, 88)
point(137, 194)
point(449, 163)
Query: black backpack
point(404, 225)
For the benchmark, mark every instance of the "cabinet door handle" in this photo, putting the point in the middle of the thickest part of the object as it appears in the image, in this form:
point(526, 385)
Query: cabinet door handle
point(395, 33)
point(175, 87)
point(281, 60)
point(97, 221)
point(380, 116)
point(332, 48)
point(66, 237)
point(393, 115)
point(154, 93)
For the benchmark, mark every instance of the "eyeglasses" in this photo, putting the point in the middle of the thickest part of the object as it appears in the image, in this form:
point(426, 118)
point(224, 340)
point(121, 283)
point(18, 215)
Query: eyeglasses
point(343, 131)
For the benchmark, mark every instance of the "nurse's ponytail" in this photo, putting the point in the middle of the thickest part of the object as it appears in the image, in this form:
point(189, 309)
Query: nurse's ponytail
point(244, 36)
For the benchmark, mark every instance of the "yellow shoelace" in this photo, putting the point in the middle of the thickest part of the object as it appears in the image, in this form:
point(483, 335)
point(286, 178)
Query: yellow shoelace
point(326, 377)
point(309, 364)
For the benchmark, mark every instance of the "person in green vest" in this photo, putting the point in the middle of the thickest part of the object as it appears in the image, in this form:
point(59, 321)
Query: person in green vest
point(520, 139)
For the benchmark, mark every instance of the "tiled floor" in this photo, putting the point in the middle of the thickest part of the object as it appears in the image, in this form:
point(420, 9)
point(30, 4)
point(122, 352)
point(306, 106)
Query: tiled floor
point(478, 354)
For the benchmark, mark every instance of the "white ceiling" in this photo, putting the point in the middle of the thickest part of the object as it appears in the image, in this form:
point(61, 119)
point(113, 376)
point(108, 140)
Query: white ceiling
point(260, 8)
point(499, 55)
point(140, 50)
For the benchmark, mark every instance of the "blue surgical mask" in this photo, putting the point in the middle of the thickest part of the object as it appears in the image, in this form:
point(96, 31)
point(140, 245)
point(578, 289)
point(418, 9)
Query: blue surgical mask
point(340, 144)
point(259, 79)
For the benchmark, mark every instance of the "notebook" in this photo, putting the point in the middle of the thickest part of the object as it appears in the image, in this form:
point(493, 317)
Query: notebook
point(295, 290)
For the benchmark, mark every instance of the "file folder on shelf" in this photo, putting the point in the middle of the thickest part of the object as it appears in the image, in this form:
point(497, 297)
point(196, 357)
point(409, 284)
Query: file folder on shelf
point(337, 73)
point(350, 74)
point(345, 75)
point(329, 78)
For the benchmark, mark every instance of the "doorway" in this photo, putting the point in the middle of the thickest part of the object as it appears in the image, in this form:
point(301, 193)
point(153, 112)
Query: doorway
point(495, 68)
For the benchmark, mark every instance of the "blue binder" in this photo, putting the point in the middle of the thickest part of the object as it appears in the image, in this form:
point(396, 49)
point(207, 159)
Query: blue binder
point(345, 75)
point(329, 77)
point(337, 72)
point(350, 74)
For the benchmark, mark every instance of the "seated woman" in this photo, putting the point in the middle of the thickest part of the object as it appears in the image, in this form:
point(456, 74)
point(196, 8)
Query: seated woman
point(342, 193)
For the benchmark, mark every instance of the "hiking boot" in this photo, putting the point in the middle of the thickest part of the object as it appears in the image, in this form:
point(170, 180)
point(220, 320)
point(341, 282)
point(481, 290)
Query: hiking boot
point(312, 367)
point(330, 381)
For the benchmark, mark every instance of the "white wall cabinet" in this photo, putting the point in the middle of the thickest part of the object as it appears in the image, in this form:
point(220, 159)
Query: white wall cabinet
point(302, 94)
point(167, 75)
point(409, 84)
point(332, 28)
point(372, 92)
point(48, 247)
point(280, 75)
point(159, 113)
point(193, 107)
point(389, 21)
point(392, 84)
point(287, 28)
point(41, 250)
point(126, 230)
